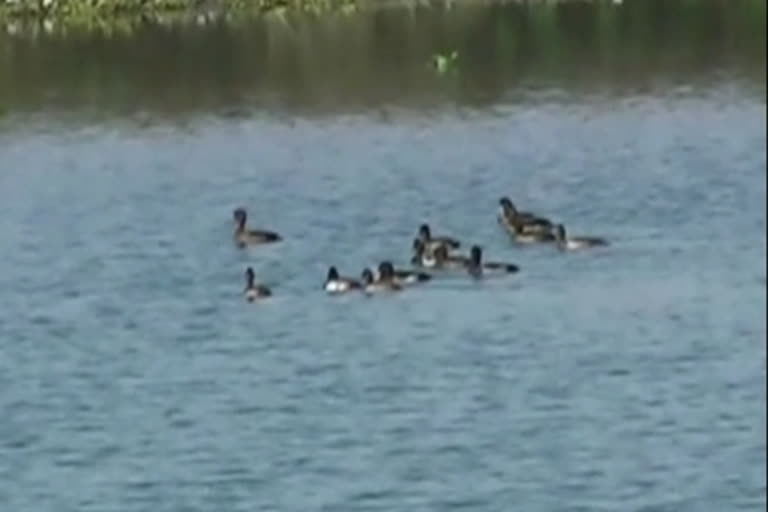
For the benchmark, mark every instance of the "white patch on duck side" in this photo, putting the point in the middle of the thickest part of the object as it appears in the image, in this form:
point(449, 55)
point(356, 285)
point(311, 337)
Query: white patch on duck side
point(337, 286)
point(573, 245)
point(381, 287)
point(455, 263)
point(428, 260)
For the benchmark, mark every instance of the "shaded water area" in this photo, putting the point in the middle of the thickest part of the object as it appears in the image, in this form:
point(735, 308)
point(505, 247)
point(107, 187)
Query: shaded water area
point(371, 59)
point(134, 377)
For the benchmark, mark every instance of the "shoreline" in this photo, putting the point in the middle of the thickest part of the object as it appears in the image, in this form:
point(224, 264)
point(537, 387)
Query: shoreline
point(114, 15)
point(40, 9)
point(122, 11)
point(78, 12)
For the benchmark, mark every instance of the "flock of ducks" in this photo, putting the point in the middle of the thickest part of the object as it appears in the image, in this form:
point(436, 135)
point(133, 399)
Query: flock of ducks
point(429, 252)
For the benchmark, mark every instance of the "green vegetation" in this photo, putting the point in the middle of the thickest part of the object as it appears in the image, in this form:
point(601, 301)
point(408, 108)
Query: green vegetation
point(94, 8)
point(125, 12)
point(120, 15)
point(374, 56)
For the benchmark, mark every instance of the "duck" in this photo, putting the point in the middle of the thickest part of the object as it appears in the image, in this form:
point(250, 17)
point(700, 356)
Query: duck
point(244, 236)
point(443, 260)
point(566, 243)
point(400, 276)
point(423, 257)
point(385, 282)
point(252, 290)
point(335, 284)
point(425, 235)
point(478, 268)
point(521, 235)
point(516, 221)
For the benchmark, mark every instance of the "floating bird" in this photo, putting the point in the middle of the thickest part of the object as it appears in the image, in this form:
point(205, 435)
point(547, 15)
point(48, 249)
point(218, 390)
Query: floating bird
point(566, 243)
point(478, 268)
point(521, 222)
point(335, 284)
point(254, 291)
point(384, 283)
point(425, 235)
point(402, 277)
point(443, 260)
point(244, 236)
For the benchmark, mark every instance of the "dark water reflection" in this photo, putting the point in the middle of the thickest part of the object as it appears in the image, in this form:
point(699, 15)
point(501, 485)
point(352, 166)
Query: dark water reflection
point(374, 57)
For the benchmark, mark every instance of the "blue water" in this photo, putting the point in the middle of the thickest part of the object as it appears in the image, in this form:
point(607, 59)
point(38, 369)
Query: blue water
point(134, 377)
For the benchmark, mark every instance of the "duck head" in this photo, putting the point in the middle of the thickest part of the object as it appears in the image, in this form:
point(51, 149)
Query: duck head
point(476, 255)
point(507, 206)
point(425, 233)
point(239, 215)
point(559, 232)
point(367, 276)
point(386, 270)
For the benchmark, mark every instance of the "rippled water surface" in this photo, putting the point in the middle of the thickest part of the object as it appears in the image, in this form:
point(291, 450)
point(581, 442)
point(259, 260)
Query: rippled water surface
point(134, 377)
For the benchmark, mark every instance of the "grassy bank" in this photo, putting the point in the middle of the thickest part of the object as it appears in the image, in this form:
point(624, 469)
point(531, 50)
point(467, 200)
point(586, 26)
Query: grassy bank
point(78, 11)
point(380, 56)
point(121, 16)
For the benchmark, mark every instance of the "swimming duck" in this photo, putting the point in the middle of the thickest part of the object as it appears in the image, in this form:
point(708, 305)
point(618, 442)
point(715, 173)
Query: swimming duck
point(402, 277)
point(478, 268)
point(425, 235)
point(254, 291)
point(422, 256)
point(531, 237)
point(336, 284)
point(245, 236)
point(385, 282)
point(565, 243)
point(444, 260)
point(522, 222)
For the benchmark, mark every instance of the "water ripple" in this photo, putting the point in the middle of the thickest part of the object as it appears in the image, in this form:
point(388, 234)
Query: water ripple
point(135, 377)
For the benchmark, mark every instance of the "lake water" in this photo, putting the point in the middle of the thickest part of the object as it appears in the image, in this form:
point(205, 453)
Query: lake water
point(134, 377)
